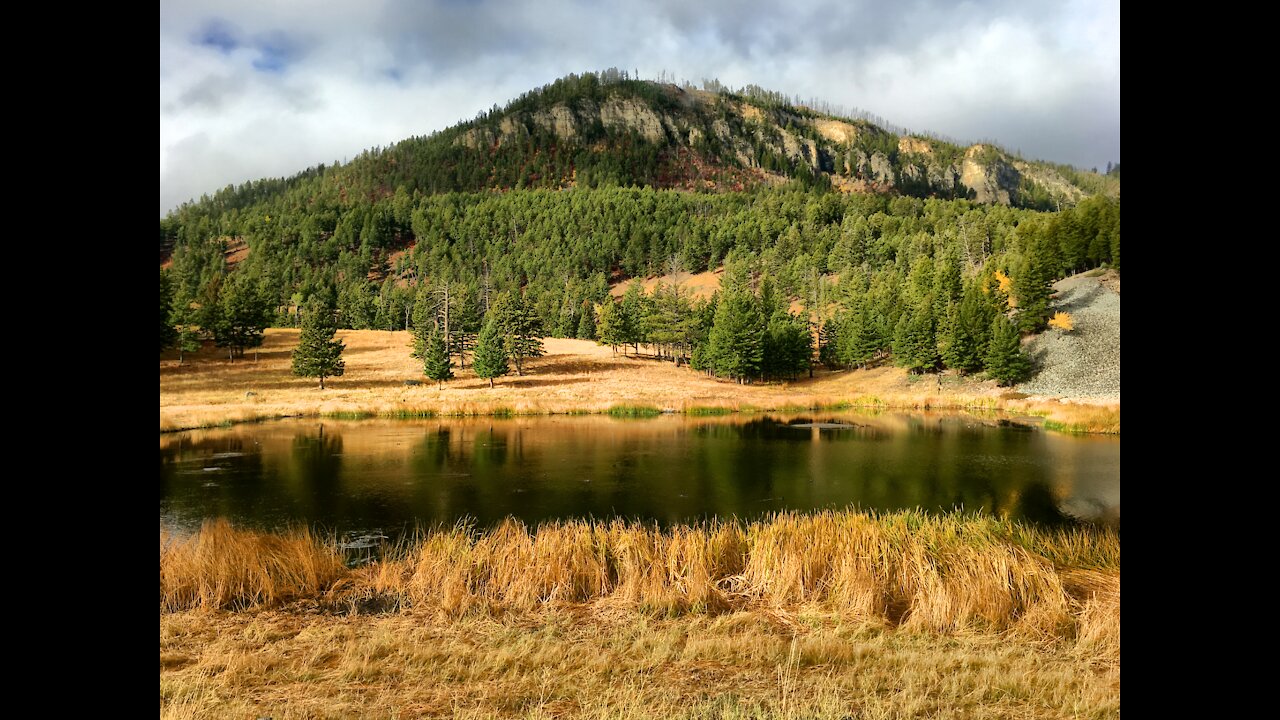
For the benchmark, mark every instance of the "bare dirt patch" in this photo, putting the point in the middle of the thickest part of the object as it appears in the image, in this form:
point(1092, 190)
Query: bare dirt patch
point(236, 251)
point(700, 285)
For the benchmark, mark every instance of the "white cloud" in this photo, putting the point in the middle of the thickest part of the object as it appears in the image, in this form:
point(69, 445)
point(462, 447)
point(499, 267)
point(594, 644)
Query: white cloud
point(253, 89)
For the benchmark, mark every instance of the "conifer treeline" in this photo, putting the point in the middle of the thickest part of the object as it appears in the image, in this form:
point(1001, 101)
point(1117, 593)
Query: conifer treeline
point(922, 280)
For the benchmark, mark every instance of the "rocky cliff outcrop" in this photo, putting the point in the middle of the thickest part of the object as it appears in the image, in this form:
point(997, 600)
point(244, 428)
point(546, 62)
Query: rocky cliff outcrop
point(742, 135)
point(987, 174)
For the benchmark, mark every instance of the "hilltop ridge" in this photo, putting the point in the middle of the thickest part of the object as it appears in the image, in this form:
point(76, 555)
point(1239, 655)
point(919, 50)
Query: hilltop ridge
point(604, 129)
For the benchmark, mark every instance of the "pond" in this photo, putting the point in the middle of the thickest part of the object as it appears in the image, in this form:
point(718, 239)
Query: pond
point(388, 475)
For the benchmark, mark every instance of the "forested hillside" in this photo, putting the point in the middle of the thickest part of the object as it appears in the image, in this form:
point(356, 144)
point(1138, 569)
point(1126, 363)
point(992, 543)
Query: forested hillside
point(897, 246)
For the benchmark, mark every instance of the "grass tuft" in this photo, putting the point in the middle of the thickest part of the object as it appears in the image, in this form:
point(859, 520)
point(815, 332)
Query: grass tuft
point(633, 411)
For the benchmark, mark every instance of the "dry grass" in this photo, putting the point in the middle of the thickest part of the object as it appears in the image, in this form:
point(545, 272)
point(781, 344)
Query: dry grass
point(824, 616)
point(575, 376)
point(941, 573)
point(220, 567)
point(804, 664)
point(1080, 418)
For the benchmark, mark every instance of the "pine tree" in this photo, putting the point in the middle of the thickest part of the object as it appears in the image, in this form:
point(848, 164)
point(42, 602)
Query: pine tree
point(788, 346)
point(424, 320)
point(521, 329)
point(915, 345)
point(464, 321)
point(188, 337)
point(587, 325)
point(490, 358)
point(188, 341)
point(610, 328)
point(969, 332)
point(859, 338)
point(1006, 361)
point(870, 340)
point(633, 312)
point(948, 285)
point(736, 343)
point(168, 335)
point(566, 324)
point(437, 364)
point(318, 354)
point(829, 343)
point(357, 305)
point(1033, 283)
point(244, 315)
point(671, 324)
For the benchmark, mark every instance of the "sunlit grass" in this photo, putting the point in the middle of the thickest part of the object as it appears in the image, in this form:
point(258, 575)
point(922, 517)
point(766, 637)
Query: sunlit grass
point(633, 411)
point(900, 615)
point(574, 377)
point(942, 572)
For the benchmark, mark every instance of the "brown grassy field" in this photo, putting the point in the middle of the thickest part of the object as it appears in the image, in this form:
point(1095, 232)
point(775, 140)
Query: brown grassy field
point(830, 615)
point(574, 376)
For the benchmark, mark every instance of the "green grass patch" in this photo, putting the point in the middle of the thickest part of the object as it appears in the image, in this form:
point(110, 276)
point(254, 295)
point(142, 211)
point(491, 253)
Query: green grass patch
point(838, 405)
point(1068, 427)
point(410, 414)
point(349, 415)
point(703, 411)
point(633, 411)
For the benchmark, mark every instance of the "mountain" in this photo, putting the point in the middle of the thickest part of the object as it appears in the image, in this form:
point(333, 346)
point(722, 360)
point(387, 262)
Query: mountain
point(600, 130)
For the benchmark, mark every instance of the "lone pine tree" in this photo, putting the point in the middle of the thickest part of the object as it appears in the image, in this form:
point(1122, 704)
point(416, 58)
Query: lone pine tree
point(437, 364)
point(318, 354)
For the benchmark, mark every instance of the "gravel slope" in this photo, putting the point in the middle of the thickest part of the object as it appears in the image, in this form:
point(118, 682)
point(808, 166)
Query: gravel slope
point(1083, 363)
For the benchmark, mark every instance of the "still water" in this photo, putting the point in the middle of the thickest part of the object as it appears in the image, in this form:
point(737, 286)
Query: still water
point(360, 476)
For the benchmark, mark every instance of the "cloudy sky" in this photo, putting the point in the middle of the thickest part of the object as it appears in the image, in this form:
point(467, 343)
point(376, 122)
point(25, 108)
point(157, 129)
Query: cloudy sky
point(264, 88)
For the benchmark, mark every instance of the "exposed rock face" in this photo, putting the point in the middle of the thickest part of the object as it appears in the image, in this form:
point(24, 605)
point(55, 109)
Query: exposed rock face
point(800, 149)
point(837, 131)
point(1051, 180)
point(994, 182)
point(984, 173)
point(881, 169)
point(943, 178)
point(907, 144)
point(721, 129)
point(750, 112)
point(559, 120)
point(476, 138)
point(482, 137)
point(632, 114)
point(512, 130)
point(876, 168)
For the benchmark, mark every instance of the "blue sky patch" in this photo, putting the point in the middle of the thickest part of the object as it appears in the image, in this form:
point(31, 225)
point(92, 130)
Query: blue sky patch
point(218, 34)
point(276, 52)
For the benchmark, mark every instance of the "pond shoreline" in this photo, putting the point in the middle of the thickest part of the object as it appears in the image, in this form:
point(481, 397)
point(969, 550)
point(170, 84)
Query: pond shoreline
point(1105, 420)
point(574, 377)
